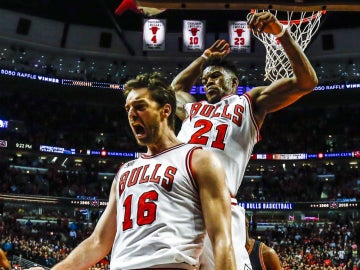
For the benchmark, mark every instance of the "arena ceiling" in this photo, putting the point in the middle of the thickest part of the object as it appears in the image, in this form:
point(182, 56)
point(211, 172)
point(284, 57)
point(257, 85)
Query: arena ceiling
point(101, 12)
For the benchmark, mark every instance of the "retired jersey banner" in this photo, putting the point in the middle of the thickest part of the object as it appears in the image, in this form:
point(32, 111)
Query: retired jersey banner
point(154, 35)
point(240, 37)
point(193, 36)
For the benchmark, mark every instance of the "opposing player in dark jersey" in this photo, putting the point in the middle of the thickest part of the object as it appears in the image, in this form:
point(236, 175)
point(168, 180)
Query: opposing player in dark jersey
point(229, 124)
point(262, 257)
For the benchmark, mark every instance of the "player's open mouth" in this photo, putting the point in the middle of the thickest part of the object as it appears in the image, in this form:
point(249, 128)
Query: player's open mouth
point(139, 130)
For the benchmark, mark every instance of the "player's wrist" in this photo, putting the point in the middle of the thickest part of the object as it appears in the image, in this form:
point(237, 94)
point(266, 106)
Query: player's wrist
point(281, 33)
point(204, 56)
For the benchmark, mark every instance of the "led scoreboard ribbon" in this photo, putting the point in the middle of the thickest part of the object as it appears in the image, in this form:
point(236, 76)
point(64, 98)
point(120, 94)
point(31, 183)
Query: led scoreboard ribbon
point(195, 90)
point(91, 84)
point(288, 206)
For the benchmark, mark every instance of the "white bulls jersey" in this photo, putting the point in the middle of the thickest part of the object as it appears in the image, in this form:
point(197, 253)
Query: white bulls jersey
point(228, 128)
point(159, 217)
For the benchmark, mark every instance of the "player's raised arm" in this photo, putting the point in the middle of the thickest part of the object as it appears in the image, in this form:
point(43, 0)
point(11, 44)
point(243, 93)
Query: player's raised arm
point(285, 91)
point(187, 78)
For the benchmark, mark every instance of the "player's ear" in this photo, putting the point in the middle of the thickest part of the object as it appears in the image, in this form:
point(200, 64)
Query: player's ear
point(235, 83)
point(166, 111)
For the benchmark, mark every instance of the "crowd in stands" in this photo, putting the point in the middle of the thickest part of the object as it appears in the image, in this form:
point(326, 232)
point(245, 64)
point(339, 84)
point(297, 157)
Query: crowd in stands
point(289, 181)
point(300, 245)
point(315, 245)
point(45, 243)
point(51, 179)
point(78, 124)
point(83, 125)
point(276, 181)
point(311, 130)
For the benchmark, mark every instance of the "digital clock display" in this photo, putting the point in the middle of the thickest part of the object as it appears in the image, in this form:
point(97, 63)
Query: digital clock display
point(23, 145)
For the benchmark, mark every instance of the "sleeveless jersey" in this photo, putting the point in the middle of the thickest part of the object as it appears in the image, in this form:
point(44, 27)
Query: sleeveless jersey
point(256, 258)
point(227, 128)
point(159, 216)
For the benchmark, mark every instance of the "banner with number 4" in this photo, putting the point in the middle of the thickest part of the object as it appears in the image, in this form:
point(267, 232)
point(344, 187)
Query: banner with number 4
point(154, 35)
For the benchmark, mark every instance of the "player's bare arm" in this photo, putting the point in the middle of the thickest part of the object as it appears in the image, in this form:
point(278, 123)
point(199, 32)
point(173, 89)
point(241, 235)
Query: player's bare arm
point(98, 245)
point(185, 80)
point(216, 203)
point(271, 259)
point(181, 99)
point(283, 92)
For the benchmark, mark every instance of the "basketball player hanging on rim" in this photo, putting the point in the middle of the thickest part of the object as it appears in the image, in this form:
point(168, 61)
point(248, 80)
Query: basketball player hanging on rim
point(230, 124)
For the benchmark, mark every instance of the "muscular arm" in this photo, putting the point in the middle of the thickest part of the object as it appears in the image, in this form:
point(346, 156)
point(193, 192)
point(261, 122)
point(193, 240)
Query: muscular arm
point(98, 244)
point(271, 259)
point(283, 92)
point(187, 78)
point(215, 201)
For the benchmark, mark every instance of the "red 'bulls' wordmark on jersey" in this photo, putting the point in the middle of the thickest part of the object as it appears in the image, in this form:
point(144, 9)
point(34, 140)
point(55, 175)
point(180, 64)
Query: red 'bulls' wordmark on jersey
point(211, 111)
point(141, 175)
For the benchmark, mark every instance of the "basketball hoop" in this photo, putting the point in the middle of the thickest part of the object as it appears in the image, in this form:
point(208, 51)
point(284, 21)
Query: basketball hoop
point(277, 65)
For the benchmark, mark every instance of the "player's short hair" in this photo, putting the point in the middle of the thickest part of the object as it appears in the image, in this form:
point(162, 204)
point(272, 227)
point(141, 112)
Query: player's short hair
point(221, 62)
point(160, 91)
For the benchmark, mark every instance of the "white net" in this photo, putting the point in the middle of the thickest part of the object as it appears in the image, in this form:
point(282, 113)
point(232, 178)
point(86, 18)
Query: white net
point(277, 65)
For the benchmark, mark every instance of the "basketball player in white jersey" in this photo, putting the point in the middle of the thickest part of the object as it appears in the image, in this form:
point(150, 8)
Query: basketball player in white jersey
point(161, 202)
point(229, 124)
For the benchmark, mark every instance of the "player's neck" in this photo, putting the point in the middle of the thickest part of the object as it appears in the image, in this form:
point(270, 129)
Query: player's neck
point(164, 142)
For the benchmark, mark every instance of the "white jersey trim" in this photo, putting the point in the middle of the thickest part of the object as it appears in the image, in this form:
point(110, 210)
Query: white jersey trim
point(189, 167)
point(249, 100)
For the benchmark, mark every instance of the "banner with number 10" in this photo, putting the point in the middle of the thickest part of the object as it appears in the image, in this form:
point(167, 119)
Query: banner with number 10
point(193, 36)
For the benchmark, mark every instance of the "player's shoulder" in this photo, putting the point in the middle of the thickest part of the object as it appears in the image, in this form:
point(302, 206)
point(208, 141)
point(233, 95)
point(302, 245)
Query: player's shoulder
point(268, 250)
point(204, 155)
point(256, 91)
point(184, 97)
point(191, 148)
